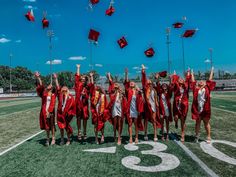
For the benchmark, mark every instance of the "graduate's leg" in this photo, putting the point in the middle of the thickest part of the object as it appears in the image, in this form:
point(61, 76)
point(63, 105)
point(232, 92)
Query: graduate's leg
point(162, 127)
point(62, 136)
point(154, 125)
point(145, 128)
point(96, 133)
point(130, 130)
point(48, 137)
point(114, 127)
point(120, 121)
point(85, 128)
point(136, 130)
point(208, 129)
point(69, 129)
point(176, 118)
point(183, 128)
point(167, 128)
point(197, 128)
point(102, 131)
point(52, 125)
point(79, 127)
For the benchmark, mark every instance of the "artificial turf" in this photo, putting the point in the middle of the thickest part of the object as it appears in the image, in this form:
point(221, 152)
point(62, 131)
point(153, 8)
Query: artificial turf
point(33, 159)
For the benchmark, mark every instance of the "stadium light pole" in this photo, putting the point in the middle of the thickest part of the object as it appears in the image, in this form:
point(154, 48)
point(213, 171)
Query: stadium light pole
point(211, 53)
point(168, 47)
point(50, 35)
point(10, 57)
point(183, 55)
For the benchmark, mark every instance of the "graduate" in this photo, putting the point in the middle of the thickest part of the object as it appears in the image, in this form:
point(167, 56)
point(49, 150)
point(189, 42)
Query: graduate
point(201, 106)
point(180, 103)
point(164, 92)
point(65, 111)
point(117, 107)
point(135, 107)
point(151, 105)
point(47, 113)
point(98, 107)
point(82, 91)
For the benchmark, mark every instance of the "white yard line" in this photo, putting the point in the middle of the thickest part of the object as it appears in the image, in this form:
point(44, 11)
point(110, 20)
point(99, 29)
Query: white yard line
point(223, 110)
point(18, 144)
point(196, 159)
point(4, 115)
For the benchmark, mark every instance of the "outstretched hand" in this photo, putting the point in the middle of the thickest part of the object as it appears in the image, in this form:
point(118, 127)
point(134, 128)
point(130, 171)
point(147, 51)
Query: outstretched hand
point(78, 65)
point(157, 76)
point(143, 67)
point(36, 74)
point(54, 75)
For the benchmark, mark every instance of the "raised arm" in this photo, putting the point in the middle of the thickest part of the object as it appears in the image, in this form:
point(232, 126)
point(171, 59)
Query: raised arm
point(91, 78)
point(109, 77)
point(192, 76)
point(78, 69)
point(211, 74)
point(37, 76)
point(126, 75)
point(144, 78)
point(56, 80)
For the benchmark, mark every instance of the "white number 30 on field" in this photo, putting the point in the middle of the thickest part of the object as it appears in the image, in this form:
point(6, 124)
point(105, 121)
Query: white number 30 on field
point(169, 161)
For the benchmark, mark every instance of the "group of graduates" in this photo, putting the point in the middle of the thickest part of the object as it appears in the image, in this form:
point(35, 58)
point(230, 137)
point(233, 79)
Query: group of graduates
point(130, 104)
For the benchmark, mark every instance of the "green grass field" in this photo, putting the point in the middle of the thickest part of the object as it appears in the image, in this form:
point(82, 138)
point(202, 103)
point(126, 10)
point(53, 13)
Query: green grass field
point(19, 120)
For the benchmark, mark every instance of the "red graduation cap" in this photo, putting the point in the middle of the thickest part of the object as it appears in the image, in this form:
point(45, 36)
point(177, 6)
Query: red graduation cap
point(110, 11)
point(149, 52)
point(189, 33)
point(122, 42)
point(178, 25)
point(45, 23)
point(30, 15)
point(163, 74)
point(94, 2)
point(93, 35)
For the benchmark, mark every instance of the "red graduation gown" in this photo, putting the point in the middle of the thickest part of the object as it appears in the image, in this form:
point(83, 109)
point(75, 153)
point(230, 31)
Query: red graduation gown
point(65, 116)
point(168, 96)
point(81, 98)
point(147, 106)
point(183, 102)
point(98, 118)
point(43, 122)
point(206, 113)
point(139, 105)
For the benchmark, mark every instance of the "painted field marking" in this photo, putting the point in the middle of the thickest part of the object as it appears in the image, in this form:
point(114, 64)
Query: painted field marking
point(19, 103)
point(4, 115)
point(223, 110)
point(222, 106)
point(14, 146)
point(212, 151)
point(195, 158)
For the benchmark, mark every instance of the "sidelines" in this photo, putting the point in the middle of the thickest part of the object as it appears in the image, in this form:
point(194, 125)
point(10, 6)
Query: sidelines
point(195, 158)
point(14, 146)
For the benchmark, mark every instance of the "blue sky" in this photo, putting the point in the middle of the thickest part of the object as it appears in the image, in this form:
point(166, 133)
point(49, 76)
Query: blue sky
point(143, 22)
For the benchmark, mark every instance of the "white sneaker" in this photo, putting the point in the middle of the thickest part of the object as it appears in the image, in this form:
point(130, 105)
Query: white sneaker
point(145, 138)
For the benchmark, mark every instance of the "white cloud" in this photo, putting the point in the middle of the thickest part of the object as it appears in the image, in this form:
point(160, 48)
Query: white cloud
point(136, 68)
point(18, 41)
point(29, 0)
point(4, 40)
point(3, 35)
point(207, 61)
point(30, 7)
point(98, 65)
point(54, 62)
point(77, 58)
